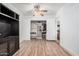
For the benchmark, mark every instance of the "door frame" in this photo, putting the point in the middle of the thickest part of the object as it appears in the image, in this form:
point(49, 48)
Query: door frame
point(38, 21)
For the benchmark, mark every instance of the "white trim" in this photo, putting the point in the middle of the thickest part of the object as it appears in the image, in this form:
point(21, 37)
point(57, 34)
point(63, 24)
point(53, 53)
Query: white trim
point(73, 53)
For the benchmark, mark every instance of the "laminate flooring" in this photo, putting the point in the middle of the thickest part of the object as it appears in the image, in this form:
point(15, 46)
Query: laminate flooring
point(40, 48)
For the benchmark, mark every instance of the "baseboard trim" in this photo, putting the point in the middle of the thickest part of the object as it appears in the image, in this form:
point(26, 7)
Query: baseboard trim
point(50, 40)
point(70, 52)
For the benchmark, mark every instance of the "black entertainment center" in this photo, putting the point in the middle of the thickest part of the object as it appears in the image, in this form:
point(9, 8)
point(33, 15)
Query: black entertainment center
point(9, 31)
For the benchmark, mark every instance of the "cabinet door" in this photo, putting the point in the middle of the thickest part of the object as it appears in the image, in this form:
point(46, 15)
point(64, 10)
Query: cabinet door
point(3, 49)
point(13, 44)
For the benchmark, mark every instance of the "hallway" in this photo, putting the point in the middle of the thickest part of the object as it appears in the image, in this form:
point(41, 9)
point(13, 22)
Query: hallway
point(52, 22)
point(41, 48)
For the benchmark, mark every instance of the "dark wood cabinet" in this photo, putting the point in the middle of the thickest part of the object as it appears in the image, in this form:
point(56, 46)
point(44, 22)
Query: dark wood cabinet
point(5, 11)
point(9, 45)
point(9, 31)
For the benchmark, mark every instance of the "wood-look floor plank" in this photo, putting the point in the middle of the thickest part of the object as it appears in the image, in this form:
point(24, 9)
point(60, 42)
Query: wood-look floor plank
point(40, 48)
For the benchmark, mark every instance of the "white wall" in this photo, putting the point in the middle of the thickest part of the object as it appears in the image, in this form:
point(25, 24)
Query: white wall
point(50, 26)
point(69, 26)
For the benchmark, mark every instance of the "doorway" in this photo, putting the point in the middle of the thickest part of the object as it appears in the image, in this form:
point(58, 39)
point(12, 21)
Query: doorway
point(58, 32)
point(38, 30)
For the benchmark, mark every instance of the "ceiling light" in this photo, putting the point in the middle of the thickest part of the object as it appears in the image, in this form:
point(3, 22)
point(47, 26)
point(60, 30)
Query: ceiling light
point(38, 11)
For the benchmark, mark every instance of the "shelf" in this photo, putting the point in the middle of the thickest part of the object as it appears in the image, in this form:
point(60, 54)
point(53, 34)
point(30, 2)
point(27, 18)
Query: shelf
point(8, 16)
point(5, 11)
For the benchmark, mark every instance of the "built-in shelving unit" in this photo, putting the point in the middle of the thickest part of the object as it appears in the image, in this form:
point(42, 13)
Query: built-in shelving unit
point(9, 31)
point(5, 11)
